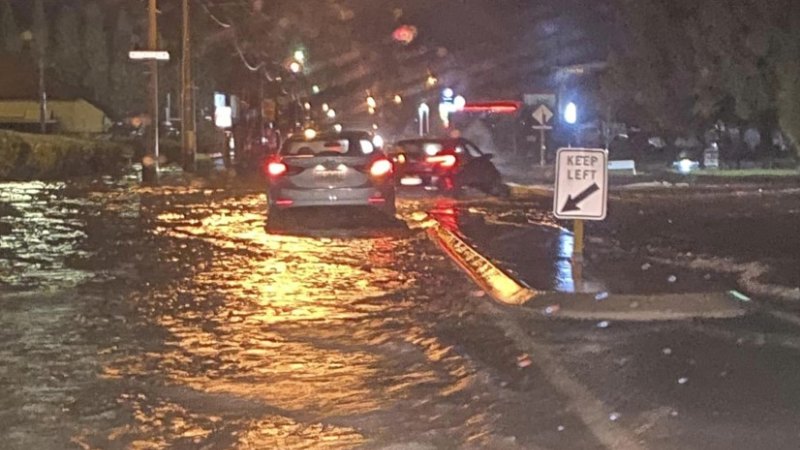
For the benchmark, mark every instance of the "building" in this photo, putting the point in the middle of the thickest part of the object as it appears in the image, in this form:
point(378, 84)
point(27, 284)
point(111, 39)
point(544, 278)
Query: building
point(19, 104)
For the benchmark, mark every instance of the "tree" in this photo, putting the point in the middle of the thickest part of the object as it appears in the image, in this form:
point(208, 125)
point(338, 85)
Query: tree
point(127, 84)
point(67, 55)
point(95, 52)
point(41, 34)
point(788, 79)
point(9, 33)
point(653, 72)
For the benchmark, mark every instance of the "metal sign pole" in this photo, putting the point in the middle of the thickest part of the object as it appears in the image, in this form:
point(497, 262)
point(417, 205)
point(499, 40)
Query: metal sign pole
point(189, 137)
point(542, 147)
point(150, 161)
point(577, 247)
point(581, 193)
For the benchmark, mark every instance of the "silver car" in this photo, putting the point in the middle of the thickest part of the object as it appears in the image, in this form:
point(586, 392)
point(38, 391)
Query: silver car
point(330, 170)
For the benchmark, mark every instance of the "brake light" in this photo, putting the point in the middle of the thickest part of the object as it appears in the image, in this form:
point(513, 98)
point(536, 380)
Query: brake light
point(446, 161)
point(381, 167)
point(276, 168)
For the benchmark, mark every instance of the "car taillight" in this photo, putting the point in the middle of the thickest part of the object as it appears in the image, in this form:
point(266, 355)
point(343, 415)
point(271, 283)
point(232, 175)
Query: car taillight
point(276, 169)
point(380, 168)
point(446, 161)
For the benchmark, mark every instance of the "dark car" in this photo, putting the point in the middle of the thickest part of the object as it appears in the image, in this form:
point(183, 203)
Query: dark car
point(336, 169)
point(447, 164)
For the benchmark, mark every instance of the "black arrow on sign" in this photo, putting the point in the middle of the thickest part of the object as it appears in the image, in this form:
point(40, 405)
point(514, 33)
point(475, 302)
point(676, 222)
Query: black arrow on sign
point(572, 203)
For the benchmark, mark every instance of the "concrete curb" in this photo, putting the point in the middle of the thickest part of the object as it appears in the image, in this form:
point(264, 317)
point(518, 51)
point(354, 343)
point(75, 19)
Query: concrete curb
point(503, 288)
point(641, 308)
point(506, 290)
point(522, 189)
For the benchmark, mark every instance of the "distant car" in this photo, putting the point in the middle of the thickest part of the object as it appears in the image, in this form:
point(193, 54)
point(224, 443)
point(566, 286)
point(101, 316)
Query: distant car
point(335, 169)
point(448, 164)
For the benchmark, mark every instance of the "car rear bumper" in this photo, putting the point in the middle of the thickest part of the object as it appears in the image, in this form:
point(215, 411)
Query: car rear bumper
point(296, 198)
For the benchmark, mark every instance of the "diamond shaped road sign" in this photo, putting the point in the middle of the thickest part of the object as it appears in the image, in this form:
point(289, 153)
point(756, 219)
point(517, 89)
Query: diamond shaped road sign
point(581, 184)
point(542, 114)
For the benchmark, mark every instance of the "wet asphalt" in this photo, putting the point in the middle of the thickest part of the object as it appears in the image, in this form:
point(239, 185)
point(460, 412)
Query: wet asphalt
point(179, 317)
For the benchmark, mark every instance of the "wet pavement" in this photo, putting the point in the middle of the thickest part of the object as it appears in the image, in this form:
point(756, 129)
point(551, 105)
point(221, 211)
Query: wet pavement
point(178, 317)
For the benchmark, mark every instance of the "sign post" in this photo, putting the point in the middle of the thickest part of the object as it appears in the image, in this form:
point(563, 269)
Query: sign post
point(152, 55)
point(581, 193)
point(543, 106)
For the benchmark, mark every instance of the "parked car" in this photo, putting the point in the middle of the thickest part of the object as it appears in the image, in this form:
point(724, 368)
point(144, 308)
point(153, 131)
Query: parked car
point(334, 169)
point(447, 164)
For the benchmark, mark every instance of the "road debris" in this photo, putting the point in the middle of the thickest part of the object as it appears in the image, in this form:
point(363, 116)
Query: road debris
point(683, 380)
point(603, 324)
point(552, 310)
point(524, 360)
point(738, 296)
point(667, 351)
point(672, 278)
point(601, 296)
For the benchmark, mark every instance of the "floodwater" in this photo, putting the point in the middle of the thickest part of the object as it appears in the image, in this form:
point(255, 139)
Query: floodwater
point(171, 317)
point(179, 317)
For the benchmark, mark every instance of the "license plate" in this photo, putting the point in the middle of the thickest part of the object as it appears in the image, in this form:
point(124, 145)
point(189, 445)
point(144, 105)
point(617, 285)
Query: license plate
point(329, 175)
point(411, 181)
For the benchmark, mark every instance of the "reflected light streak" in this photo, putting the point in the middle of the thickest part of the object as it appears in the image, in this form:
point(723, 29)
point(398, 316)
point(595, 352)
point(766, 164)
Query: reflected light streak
point(564, 281)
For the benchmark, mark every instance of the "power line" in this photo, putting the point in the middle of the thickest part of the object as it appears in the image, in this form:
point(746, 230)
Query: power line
point(214, 16)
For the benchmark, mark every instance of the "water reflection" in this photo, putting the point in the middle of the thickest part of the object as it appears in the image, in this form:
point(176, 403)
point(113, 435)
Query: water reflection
point(308, 337)
point(43, 229)
point(564, 281)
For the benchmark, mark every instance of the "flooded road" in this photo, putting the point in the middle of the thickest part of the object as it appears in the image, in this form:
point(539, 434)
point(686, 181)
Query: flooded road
point(175, 318)
point(179, 317)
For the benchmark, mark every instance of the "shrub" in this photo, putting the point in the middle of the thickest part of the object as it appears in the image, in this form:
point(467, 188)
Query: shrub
point(31, 156)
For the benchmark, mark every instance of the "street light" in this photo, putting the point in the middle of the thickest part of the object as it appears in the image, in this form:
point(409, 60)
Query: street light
point(424, 118)
point(295, 67)
point(431, 81)
point(459, 103)
point(299, 56)
point(571, 113)
point(371, 102)
point(398, 99)
point(331, 113)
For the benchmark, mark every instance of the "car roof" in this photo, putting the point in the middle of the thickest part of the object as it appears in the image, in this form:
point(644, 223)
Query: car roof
point(428, 140)
point(346, 134)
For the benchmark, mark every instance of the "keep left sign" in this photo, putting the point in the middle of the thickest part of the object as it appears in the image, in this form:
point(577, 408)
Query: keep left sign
point(581, 184)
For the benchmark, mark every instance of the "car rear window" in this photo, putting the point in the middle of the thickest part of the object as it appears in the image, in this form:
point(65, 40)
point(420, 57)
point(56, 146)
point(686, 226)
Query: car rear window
point(316, 147)
point(418, 148)
point(328, 146)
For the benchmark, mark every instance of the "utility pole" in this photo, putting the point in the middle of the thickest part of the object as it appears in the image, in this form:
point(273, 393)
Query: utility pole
point(188, 132)
point(42, 93)
point(150, 162)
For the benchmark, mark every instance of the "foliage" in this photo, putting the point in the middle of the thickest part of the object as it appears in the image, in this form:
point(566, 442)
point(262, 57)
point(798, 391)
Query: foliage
point(127, 80)
point(41, 34)
point(95, 52)
point(9, 33)
point(67, 57)
point(32, 156)
point(684, 65)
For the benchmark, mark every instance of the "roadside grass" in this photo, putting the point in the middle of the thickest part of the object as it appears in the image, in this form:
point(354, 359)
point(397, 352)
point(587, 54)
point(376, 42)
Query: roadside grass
point(746, 173)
